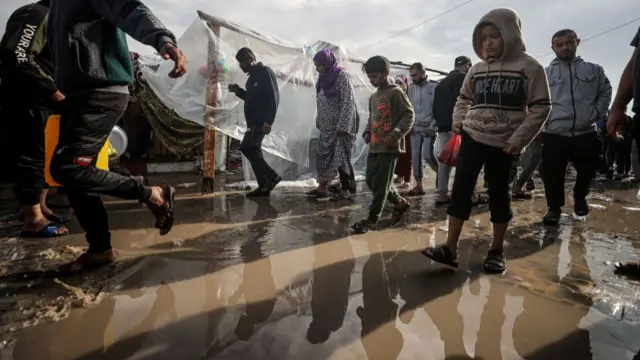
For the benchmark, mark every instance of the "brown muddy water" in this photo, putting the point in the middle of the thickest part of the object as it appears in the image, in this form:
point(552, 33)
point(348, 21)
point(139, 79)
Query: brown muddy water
point(283, 278)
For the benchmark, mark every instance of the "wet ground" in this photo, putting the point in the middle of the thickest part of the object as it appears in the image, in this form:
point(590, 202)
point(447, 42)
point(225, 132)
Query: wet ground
point(284, 279)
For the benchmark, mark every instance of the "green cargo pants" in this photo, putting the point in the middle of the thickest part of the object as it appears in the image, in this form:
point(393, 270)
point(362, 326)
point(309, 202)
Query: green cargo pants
point(379, 178)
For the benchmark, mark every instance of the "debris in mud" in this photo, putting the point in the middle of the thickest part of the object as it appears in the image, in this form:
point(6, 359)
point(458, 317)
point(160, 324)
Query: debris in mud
point(597, 206)
point(177, 243)
point(631, 208)
point(185, 185)
point(443, 228)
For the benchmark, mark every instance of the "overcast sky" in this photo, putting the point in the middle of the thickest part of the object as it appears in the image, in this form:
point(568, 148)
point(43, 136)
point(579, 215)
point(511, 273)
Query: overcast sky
point(355, 24)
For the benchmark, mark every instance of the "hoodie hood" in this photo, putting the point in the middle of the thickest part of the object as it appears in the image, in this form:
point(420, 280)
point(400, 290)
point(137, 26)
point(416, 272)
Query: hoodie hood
point(507, 21)
point(578, 59)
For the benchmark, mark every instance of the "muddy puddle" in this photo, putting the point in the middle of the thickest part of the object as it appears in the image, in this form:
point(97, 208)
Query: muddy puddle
point(285, 279)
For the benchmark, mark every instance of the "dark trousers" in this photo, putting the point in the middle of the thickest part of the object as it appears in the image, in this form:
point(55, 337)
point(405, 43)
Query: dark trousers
point(28, 129)
point(583, 151)
point(85, 124)
point(347, 179)
point(619, 153)
point(497, 170)
point(379, 177)
point(251, 148)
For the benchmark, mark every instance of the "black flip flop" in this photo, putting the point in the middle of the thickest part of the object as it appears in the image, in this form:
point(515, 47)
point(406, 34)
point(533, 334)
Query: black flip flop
point(440, 254)
point(399, 211)
point(364, 226)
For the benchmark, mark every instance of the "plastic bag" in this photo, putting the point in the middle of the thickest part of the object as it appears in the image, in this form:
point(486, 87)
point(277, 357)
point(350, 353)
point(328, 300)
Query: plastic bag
point(449, 155)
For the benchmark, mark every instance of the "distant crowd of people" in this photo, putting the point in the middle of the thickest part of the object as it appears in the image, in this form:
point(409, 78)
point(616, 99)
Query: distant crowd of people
point(508, 109)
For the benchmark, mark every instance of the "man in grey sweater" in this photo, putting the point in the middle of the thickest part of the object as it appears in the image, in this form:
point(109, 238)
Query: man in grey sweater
point(423, 134)
point(93, 70)
point(580, 95)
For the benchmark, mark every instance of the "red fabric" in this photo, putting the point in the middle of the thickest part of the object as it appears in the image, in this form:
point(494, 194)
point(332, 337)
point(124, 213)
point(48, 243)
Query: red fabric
point(449, 155)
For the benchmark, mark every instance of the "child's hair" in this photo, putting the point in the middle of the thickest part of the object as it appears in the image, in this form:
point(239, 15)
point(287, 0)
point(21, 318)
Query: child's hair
point(376, 64)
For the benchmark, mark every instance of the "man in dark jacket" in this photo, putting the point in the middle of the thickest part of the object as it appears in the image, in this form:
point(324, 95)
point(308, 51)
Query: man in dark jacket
point(93, 69)
point(28, 94)
point(446, 95)
point(261, 99)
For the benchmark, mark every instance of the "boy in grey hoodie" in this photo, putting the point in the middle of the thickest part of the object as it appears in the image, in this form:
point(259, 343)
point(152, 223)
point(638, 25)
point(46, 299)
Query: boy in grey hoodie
point(503, 103)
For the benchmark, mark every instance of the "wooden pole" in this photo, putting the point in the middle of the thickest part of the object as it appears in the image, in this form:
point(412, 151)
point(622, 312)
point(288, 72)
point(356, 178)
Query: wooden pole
point(209, 144)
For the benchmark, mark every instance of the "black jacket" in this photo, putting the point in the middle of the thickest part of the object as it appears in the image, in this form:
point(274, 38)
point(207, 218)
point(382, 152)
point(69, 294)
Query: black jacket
point(26, 67)
point(261, 96)
point(445, 98)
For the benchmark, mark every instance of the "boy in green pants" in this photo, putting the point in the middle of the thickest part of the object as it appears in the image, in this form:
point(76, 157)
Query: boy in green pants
point(390, 119)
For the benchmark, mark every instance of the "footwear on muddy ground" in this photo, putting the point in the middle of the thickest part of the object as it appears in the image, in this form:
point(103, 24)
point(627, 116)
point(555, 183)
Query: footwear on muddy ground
point(552, 217)
point(495, 262)
point(442, 255)
point(581, 207)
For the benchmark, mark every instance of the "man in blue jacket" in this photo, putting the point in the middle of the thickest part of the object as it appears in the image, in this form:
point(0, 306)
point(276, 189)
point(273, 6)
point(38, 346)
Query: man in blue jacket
point(580, 96)
point(93, 69)
point(261, 99)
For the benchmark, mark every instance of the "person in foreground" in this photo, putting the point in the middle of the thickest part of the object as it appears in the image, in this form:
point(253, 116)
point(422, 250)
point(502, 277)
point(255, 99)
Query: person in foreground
point(337, 121)
point(27, 95)
point(261, 99)
point(503, 103)
point(580, 94)
point(628, 91)
point(93, 69)
point(390, 119)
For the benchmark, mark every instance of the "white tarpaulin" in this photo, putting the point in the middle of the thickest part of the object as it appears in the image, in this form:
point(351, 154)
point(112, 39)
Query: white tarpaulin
point(290, 144)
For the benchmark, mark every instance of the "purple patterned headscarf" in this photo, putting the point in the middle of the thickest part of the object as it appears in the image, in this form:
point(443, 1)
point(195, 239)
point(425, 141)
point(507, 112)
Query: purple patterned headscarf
point(327, 80)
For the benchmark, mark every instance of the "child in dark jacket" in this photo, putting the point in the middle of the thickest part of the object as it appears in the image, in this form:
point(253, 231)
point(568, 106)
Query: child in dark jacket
point(390, 120)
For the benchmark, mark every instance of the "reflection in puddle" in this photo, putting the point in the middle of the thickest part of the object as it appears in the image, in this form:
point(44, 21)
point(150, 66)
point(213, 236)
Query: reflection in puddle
point(285, 279)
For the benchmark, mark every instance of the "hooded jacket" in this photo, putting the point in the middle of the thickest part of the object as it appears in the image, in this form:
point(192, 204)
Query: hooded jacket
point(503, 100)
point(26, 68)
point(89, 46)
point(580, 96)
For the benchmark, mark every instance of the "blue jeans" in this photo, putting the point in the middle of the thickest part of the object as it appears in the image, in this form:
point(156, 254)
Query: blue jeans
point(422, 150)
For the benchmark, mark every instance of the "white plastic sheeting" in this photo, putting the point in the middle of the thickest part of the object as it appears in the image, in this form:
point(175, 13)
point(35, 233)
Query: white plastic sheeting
point(289, 148)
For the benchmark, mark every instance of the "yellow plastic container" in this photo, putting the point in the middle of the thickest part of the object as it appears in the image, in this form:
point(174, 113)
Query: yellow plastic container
point(51, 135)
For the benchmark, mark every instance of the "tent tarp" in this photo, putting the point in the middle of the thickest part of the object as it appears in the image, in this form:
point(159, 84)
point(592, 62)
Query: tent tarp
point(290, 144)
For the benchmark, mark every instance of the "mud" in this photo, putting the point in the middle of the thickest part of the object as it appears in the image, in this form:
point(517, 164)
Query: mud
point(283, 278)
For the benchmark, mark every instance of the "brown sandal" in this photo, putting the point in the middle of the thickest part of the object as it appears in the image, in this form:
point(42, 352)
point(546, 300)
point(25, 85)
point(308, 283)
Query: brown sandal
point(87, 261)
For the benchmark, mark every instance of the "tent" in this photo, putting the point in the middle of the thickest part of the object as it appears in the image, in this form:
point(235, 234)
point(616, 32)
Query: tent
point(201, 96)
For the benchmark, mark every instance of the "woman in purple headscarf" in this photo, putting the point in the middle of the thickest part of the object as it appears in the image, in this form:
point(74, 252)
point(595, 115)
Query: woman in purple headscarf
point(337, 120)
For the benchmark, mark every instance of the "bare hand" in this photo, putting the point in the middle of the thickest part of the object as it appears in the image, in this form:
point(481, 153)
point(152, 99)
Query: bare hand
point(170, 51)
point(367, 137)
point(616, 123)
point(266, 128)
point(234, 88)
point(57, 96)
point(457, 128)
point(511, 149)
